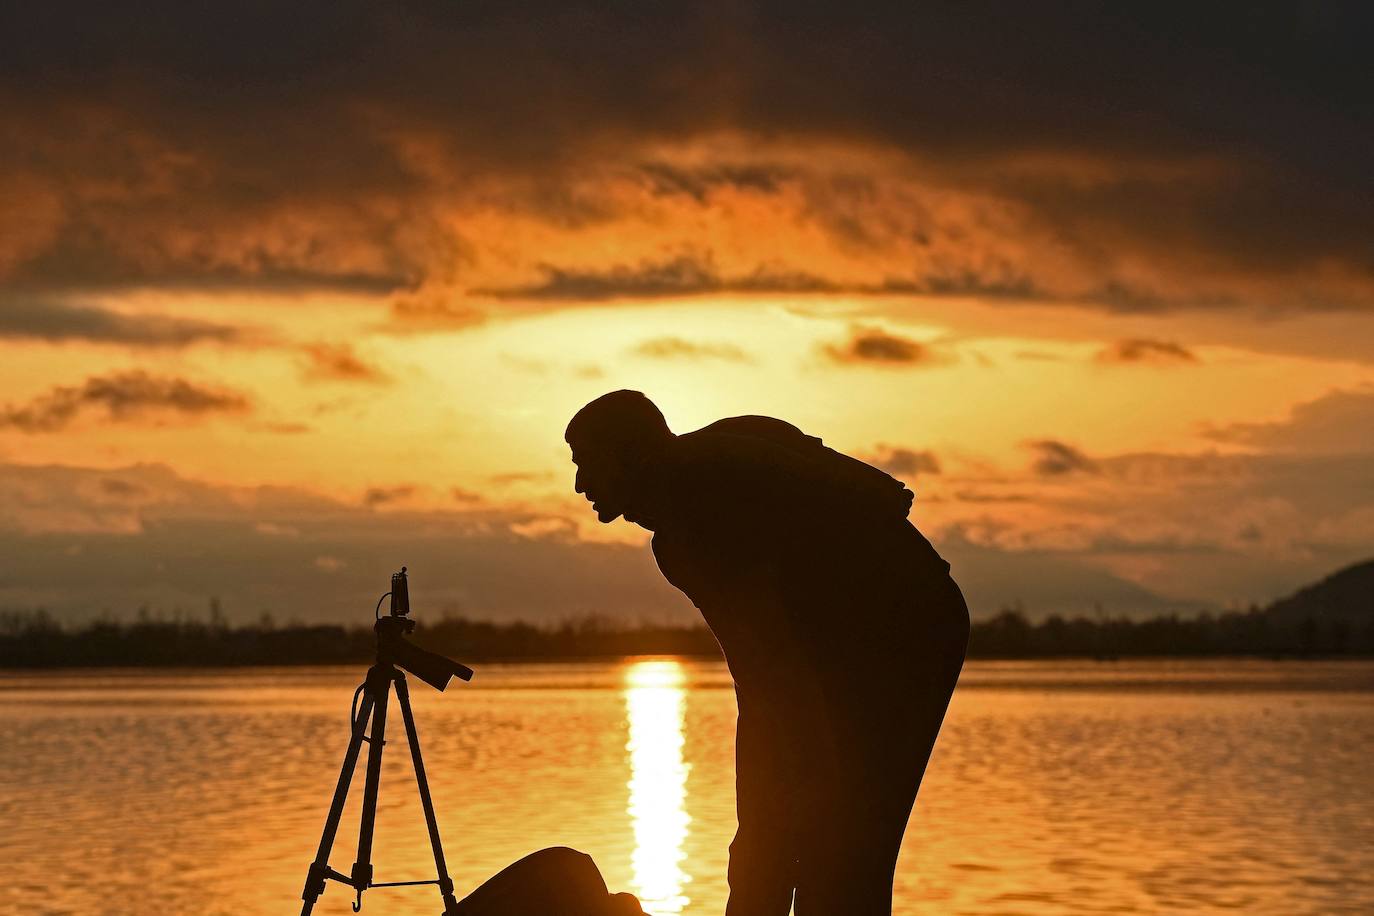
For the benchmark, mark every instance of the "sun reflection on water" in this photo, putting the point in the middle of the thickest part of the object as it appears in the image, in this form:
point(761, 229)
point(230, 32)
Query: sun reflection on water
point(654, 701)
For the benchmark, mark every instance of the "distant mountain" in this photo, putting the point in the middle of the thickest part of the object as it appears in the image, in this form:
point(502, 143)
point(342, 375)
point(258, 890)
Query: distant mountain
point(1344, 597)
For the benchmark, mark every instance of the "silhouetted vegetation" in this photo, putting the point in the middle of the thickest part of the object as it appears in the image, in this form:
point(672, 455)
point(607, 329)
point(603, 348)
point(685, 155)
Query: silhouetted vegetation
point(1253, 633)
point(36, 640)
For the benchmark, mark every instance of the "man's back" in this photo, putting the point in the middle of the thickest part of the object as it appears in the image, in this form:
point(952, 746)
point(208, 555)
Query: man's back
point(782, 543)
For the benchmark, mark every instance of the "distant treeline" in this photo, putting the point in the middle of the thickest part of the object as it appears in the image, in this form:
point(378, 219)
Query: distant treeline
point(36, 640)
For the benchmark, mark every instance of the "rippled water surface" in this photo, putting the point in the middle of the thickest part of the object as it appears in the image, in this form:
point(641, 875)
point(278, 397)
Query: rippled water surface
point(1056, 787)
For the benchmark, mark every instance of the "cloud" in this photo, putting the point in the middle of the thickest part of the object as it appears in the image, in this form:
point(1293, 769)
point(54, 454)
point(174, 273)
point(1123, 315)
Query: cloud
point(1056, 459)
point(1341, 422)
point(51, 320)
point(875, 346)
point(513, 478)
point(374, 497)
point(161, 539)
point(680, 276)
point(122, 398)
point(432, 312)
point(678, 348)
point(700, 182)
point(1141, 350)
point(904, 462)
point(339, 362)
point(122, 489)
point(298, 555)
point(982, 496)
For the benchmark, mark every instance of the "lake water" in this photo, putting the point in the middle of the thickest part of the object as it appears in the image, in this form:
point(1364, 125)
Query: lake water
point(1056, 787)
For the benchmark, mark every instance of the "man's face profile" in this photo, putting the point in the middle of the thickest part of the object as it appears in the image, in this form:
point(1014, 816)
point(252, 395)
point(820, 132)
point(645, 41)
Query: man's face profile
point(601, 479)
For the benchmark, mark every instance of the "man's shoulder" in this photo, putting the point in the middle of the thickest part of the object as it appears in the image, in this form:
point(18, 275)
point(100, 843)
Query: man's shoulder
point(758, 428)
point(741, 444)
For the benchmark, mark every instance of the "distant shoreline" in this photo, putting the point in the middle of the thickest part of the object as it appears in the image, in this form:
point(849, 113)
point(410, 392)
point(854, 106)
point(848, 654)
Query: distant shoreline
point(34, 640)
point(593, 660)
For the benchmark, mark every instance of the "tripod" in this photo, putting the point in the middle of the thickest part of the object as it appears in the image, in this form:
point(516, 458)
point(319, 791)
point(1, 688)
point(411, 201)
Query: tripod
point(392, 648)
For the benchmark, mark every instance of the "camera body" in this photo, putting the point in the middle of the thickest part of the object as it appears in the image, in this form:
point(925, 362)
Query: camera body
point(394, 649)
point(400, 594)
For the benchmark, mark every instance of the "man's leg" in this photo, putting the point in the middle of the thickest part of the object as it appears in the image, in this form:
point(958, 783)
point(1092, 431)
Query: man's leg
point(763, 853)
point(853, 840)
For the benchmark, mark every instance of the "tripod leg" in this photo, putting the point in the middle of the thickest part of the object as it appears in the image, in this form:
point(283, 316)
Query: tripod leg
point(314, 882)
point(445, 882)
point(379, 685)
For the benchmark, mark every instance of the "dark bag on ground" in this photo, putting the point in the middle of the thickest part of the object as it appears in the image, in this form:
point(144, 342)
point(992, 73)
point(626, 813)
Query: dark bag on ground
point(551, 882)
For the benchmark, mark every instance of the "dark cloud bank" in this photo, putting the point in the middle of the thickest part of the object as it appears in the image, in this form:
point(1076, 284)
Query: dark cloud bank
point(326, 145)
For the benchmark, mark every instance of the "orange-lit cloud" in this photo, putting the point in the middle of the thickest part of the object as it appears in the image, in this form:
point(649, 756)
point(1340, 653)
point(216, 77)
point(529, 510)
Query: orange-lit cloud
point(122, 398)
point(339, 362)
point(879, 347)
point(1139, 350)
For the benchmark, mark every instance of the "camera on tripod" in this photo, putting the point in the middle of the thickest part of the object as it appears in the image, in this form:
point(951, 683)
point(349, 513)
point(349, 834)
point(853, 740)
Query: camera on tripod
point(393, 647)
point(394, 652)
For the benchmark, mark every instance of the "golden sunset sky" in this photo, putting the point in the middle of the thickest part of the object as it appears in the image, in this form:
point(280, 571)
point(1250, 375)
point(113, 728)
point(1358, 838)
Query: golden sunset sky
point(291, 298)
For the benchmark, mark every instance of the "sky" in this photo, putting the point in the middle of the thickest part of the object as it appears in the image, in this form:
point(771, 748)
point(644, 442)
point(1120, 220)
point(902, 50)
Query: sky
point(293, 295)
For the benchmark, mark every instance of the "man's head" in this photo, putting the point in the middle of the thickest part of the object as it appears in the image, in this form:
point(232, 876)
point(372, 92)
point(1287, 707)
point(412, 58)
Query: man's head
point(612, 439)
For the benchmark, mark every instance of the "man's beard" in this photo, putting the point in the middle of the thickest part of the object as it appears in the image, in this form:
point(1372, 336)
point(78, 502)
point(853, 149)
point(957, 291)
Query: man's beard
point(606, 513)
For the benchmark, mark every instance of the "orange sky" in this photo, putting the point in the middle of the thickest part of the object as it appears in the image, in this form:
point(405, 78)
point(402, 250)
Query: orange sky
point(1131, 364)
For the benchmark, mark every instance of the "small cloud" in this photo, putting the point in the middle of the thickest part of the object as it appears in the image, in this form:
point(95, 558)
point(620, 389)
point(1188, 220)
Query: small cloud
point(517, 477)
point(285, 428)
point(339, 362)
point(1142, 350)
point(1054, 458)
point(122, 489)
point(978, 496)
point(875, 346)
point(272, 529)
point(123, 397)
point(546, 527)
point(678, 348)
point(329, 564)
point(52, 320)
point(383, 496)
point(432, 313)
point(904, 462)
point(461, 495)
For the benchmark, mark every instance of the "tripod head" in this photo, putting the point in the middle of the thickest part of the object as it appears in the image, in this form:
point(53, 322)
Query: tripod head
point(394, 649)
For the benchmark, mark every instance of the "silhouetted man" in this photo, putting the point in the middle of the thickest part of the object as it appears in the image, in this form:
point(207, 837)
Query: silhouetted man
point(841, 626)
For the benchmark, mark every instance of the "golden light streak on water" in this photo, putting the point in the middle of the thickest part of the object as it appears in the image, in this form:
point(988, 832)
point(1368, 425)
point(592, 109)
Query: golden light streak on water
point(654, 701)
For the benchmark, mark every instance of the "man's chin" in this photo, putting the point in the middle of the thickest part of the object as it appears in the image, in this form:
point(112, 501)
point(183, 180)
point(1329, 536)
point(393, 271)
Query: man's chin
point(606, 516)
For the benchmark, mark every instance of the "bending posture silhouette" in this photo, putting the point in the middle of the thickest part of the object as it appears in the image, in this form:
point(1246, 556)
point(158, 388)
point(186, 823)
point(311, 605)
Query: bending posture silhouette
point(842, 628)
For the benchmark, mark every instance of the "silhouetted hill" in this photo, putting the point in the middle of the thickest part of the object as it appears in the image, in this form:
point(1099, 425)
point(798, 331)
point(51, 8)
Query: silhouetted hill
point(1344, 597)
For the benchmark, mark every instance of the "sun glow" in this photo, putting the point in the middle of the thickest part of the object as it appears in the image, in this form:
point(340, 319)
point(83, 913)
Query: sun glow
point(654, 702)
